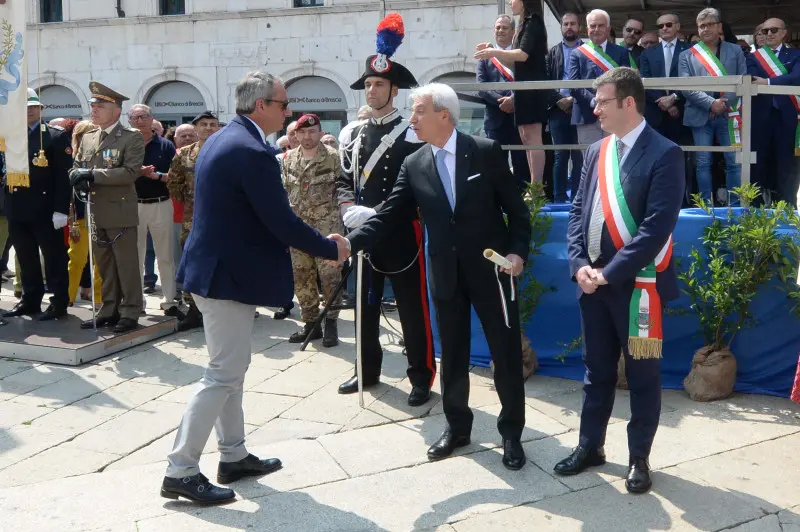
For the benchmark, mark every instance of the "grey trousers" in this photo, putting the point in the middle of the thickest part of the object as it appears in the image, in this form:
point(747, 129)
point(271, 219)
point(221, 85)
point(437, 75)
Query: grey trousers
point(217, 403)
point(590, 133)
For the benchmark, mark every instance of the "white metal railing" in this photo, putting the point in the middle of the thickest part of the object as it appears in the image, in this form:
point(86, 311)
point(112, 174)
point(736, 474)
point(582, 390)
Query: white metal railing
point(743, 86)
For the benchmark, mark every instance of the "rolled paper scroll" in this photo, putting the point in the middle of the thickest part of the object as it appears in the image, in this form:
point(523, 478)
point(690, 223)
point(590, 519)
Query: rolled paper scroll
point(498, 259)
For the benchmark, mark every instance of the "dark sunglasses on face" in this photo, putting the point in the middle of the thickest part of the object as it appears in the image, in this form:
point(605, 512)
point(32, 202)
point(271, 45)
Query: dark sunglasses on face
point(773, 31)
point(633, 30)
point(665, 25)
point(284, 103)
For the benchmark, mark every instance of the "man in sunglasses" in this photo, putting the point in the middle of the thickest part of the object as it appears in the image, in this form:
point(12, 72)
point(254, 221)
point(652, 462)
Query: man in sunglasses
point(631, 33)
point(775, 117)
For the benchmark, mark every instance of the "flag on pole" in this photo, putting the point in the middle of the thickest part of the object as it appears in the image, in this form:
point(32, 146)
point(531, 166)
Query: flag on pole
point(13, 92)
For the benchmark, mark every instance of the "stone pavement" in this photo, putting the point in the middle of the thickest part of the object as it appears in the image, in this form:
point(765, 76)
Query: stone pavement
point(84, 449)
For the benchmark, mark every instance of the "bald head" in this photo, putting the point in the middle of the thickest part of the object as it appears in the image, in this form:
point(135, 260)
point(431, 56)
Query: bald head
point(774, 32)
point(185, 134)
point(291, 132)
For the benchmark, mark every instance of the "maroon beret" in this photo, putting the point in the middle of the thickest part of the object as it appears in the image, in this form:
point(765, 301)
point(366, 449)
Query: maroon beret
point(308, 120)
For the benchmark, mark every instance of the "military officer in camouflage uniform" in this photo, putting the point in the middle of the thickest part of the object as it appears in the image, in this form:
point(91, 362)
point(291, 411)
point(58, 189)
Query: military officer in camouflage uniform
point(181, 187)
point(309, 175)
point(107, 164)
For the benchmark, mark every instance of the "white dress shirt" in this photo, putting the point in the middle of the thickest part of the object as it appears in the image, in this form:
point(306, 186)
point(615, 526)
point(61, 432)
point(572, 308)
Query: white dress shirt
point(260, 131)
point(449, 160)
point(630, 139)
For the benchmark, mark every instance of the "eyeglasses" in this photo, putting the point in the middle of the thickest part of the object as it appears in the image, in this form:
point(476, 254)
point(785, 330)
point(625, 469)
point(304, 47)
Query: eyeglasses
point(598, 102)
point(665, 25)
point(284, 103)
point(633, 30)
point(707, 26)
point(136, 118)
point(765, 31)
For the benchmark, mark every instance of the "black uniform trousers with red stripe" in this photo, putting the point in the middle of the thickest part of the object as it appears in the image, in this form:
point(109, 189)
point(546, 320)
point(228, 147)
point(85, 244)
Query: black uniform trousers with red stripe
point(411, 293)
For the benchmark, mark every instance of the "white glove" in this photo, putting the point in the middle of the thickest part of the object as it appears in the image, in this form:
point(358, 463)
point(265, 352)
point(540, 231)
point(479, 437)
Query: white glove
point(59, 220)
point(357, 215)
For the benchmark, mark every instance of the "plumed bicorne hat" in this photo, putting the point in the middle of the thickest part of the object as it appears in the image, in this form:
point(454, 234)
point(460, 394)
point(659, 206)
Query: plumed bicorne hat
point(390, 36)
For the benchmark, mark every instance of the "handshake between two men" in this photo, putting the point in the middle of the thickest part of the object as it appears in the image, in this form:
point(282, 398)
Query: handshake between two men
point(343, 246)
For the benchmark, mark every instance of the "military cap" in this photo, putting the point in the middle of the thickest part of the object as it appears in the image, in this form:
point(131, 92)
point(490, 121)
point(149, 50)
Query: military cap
point(33, 98)
point(204, 114)
point(307, 120)
point(101, 93)
point(390, 34)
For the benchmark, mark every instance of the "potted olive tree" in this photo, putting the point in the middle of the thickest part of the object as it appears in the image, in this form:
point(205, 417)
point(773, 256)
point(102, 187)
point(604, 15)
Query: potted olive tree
point(740, 253)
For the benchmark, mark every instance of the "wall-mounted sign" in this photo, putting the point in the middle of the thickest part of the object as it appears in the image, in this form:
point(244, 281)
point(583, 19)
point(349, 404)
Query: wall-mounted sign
point(176, 98)
point(315, 93)
point(60, 102)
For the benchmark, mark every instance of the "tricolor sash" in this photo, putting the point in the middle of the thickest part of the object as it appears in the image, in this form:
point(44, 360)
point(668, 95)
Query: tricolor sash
point(714, 68)
point(504, 70)
point(774, 68)
point(632, 61)
point(596, 55)
point(645, 334)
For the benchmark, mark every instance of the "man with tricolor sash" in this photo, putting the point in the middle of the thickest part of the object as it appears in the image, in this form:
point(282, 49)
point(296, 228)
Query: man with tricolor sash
point(620, 253)
point(776, 118)
point(713, 115)
point(590, 61)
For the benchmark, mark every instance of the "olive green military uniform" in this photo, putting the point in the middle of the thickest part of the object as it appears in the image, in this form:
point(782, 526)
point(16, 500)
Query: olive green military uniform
point(311, 187)
point(181, 187)
point(116, 158)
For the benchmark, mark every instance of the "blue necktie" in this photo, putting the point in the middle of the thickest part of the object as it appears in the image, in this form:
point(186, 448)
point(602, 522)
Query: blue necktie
point(444, 175)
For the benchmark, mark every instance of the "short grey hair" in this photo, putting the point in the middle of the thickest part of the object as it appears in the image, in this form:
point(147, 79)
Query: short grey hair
point(509, 18)
point(599, 12)
point(142, 107)
point(283, 140)
point(673, 15)
point(709, 12)
point(255, 85)
point(443, 97)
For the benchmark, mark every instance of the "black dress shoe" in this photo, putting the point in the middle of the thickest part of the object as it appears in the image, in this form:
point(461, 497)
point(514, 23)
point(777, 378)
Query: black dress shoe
point(446, 444)
point(124, 325)
point(513, 455)
point(283, 313)
point(23, 309)
point(109, 321)
point(197, 489)
point(351, 385)
point(192, 320)
point(250, 466)
point(53, 313)
point(300, 336)
point(638, 479)
point(418, 396)
point(149, 289)
point(580, 459)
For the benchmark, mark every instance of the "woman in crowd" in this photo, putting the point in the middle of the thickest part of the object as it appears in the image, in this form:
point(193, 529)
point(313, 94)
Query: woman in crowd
point(527, 57)
point(79, 233)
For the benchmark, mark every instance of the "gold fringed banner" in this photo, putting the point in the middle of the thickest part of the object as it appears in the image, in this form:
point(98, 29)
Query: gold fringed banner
point(13, 92)
point(644, 348)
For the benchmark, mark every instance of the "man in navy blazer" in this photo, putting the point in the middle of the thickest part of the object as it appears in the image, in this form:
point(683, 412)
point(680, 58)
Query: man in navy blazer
point(652, 179)
point(236, 258)
point(598, 23)
point(498, 121)
point(774, 117)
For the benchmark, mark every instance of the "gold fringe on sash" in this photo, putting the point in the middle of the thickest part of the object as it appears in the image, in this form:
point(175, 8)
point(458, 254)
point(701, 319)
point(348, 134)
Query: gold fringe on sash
point(17, 179)
point(644, 348)
point(2, 144)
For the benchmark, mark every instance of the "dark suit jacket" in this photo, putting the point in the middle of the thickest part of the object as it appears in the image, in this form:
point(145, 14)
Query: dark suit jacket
point(494, 119)
point(238, 248)
point(651, 65)
point(653, 180)
point(485, 191)
point(763, 103)
point(50, 190)
point(636, 52)
point(582, 68)
point(554, 63)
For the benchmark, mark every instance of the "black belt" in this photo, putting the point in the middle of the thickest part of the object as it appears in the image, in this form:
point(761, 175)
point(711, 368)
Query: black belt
point(154, 200)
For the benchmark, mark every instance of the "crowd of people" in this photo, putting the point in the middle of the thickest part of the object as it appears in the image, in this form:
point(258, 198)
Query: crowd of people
point(422, 201)
point(687, 117)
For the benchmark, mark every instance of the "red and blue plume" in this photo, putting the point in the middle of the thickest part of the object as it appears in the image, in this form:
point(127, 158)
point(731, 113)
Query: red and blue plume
point(390, 34)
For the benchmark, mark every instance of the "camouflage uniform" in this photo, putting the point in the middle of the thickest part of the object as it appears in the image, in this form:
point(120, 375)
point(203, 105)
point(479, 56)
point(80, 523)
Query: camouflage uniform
point(181, 187)
point(311, 187)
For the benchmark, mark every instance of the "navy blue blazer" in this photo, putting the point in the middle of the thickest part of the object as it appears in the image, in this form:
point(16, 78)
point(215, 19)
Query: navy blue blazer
point(653, 180)
point(582, 68)
point(243, 227)
point(494, 119)
point(651, 65)
point(762, 104)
